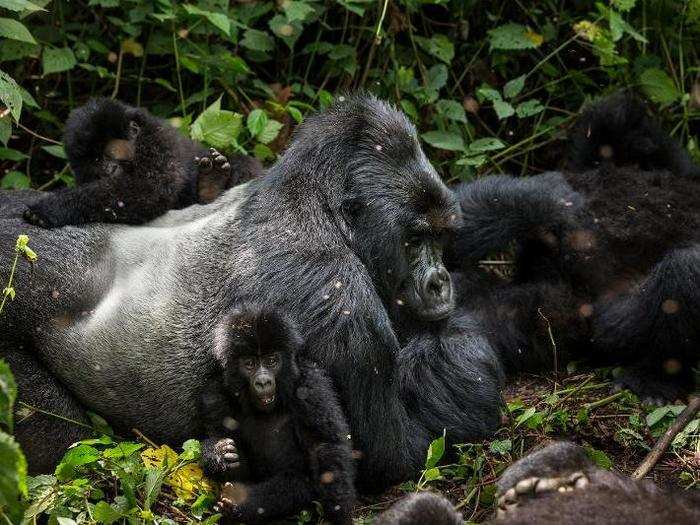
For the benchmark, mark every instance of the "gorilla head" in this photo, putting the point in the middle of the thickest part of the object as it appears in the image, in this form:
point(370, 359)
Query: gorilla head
point(393, 208)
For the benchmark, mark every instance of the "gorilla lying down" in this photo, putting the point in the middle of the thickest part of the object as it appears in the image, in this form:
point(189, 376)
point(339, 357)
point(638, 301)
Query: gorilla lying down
point(560, 485)
point(273, 424)
point(350, 242)
point(607, 259)
point(106, 142)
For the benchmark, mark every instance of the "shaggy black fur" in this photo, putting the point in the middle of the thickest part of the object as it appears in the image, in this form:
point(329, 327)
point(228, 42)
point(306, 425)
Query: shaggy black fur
point(131, 167)
point(288, 453)
point(346, 230)
point(560, 485)
point(607, 257)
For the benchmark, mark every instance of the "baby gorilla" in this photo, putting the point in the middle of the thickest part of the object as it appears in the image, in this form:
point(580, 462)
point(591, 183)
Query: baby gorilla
point(275, 430)
point(131, 167)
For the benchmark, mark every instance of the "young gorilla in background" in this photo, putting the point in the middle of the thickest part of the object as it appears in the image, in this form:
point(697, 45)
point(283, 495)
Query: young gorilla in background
point(289, 443)
point(608, 254)
point(109, 144)
point(561, 485)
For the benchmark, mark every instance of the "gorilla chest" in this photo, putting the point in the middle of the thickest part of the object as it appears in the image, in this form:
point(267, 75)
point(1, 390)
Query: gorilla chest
point(272, 445)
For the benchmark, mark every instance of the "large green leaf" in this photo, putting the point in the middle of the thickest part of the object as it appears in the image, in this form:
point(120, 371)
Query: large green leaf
point(444, 140)
point(658, 86)
point(13, 476)
point(297, 10)
point(513, 36)
point(20, 5)
point(10, 95)
point(257, 40)
point(217, 127)
point(15, 30)
point(74, 458)
point(56, 60)
point(270, 132)
point(218, 20)
point(8, 394)
point(439, 46)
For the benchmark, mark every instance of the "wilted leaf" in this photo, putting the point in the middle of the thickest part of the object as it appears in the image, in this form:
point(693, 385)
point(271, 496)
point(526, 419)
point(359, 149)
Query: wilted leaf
point(187, 481)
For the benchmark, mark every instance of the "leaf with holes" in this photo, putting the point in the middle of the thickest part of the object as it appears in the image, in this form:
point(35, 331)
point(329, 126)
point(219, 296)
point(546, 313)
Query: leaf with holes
point(11, 96)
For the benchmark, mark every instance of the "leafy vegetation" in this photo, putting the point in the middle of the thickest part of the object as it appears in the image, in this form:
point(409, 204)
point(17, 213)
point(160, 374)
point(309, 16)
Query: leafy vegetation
point(491, 86)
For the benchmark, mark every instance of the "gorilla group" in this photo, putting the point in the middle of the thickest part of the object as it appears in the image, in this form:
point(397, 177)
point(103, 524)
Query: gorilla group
point(346, 231)
point(560, 485)
point(607, 255)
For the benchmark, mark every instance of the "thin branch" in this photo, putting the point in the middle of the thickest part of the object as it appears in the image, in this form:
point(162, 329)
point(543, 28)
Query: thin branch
point(662, 444)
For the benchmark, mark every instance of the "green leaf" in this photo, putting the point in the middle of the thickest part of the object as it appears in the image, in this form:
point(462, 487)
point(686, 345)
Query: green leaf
point(8, 394)
point(13, 478)
point(257, 40)
point(439, 46)
point(123, 449)
point(216, 127)
point(657, 415)
point(11, 97)
point(599, 457)
point(486, 144)
point(191, 450)
point(432, 474)
point(658, 86)
point(20, 5)
point(514, 87)
point(14, 30)
point(65, 521)
point(272, 129)
point(256, 122)
point(11, 154)
point(501, 446)
point(295, 114)
point(103, 512)
point(263, 152)
point(529, 108)
point(513, 36)
point(436, 76)
point(503, 109)
point(486, 92)
point(56, 60)
point(218, 20)
point(623, 5)
point(451, 109)
point(55, 150)
point(14, 180)
point(74, 458)
point(444, 140)
point(154, 481)
point(297, 10)
point(435, 451)
point(525, 416)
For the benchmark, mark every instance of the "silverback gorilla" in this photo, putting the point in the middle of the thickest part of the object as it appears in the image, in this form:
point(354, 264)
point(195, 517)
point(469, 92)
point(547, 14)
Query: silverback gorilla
point(560, 485)
point(346, 229)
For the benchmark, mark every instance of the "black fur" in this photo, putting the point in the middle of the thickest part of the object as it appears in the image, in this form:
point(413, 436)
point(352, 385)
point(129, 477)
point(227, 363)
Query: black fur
point(298, 452)
point(605, 257)
point(130, 167)
point(421, 508)
point(328, 234)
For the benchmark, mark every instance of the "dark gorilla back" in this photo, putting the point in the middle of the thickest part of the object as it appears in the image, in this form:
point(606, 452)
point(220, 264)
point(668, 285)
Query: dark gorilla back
point(124, 316)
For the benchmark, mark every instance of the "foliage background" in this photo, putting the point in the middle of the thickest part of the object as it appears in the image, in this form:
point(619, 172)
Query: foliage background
point(491, 85)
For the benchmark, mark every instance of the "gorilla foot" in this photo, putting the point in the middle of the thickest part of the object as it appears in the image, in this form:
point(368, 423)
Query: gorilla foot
point(35, 218)
point(213, 175)
point(534, 487)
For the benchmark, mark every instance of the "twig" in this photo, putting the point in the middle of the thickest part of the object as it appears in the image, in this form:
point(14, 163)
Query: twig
point(118, 76)
point(604, 401)
point(144, 438)
point(554, 344)
point(662, 444)
point(35, 134)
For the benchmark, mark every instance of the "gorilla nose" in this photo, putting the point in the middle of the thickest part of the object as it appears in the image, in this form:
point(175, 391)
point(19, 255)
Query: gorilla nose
point(264, 384)
point(437, 286)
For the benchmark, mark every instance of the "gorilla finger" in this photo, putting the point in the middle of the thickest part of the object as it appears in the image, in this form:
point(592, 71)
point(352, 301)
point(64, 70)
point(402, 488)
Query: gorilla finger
point(230, 457)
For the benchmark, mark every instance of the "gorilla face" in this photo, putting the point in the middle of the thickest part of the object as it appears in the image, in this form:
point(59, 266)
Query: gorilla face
point(401, 216)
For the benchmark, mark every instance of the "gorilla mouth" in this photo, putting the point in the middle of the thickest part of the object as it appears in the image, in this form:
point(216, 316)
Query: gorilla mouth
point(265, 401)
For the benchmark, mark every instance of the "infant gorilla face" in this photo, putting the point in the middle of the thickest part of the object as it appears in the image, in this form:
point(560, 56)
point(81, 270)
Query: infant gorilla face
point(260, 372)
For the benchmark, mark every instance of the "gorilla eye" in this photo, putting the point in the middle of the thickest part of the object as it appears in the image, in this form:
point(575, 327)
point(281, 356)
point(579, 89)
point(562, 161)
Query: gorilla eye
point(249, 364)
point(271, 361)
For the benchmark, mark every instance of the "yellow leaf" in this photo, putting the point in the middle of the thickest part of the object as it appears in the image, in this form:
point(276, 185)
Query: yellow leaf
point(187, 481)
point(132, 46)
point(535, 38)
